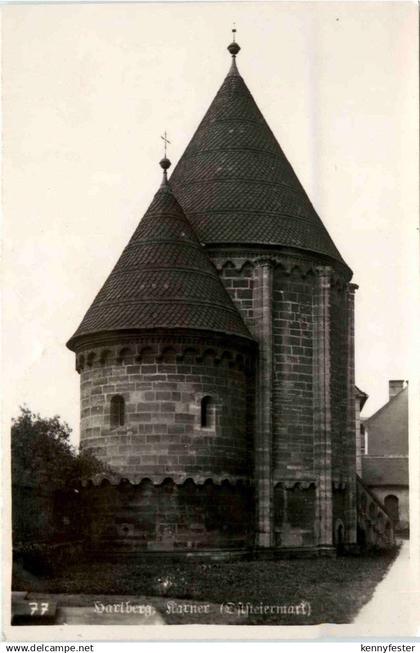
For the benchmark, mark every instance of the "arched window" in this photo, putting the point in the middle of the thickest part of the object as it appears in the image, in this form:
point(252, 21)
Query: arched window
point(339, 536)
point(117, 411)
point(363, 440)
point(207, 412)
point(392, 507)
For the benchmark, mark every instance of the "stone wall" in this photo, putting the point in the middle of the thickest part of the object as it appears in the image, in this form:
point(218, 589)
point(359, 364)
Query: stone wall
point(163, 384)
point(294, 295)
point(239, 282)
point(299, 312)
point(292, 375)
point(169, 517)
point(338, 380)
point(294, 510)
point(339, 518)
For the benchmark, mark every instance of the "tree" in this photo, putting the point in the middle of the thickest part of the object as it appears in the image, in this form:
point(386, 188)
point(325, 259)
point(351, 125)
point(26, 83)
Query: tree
point(42, 452)
point(45, 467)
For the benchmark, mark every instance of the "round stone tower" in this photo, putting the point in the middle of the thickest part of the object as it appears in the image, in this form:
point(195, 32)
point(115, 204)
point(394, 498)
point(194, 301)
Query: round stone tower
point(166, 367)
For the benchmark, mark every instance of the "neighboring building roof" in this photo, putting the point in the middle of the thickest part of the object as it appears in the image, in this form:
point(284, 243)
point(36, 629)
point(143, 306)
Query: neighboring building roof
point(388, 428)
point(236, 185)
point(386, 461)
point(378, 470)
point(163, 279)
point(359, 394)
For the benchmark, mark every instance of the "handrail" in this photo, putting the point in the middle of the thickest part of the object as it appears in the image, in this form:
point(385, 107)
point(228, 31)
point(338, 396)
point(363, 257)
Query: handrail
point(372, 496)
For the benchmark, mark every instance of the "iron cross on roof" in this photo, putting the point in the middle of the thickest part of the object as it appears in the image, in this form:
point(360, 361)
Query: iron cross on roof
point(165, 140)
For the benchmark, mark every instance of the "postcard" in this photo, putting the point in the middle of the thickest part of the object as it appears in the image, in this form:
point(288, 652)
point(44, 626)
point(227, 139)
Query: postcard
point(211, 379)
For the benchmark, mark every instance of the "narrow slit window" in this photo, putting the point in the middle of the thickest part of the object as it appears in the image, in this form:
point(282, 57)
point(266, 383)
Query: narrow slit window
point(117, 411)
point(206, 412)
point(392, 507)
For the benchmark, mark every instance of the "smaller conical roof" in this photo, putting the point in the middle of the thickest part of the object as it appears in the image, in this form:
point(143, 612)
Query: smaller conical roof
point(163, 279)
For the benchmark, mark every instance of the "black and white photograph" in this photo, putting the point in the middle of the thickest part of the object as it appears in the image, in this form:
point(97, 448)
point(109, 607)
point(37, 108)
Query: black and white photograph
point(210, 315)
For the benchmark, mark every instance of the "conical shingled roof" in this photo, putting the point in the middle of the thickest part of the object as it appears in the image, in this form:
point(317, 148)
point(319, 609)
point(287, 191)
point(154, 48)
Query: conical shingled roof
point(163, 279)
point(236, 185)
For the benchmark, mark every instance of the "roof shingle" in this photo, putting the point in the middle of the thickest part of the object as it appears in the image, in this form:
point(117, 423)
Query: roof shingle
point(163, 279)
point(236, 185)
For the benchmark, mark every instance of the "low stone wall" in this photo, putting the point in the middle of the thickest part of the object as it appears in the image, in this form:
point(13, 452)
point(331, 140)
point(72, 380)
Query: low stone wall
point(168, 517)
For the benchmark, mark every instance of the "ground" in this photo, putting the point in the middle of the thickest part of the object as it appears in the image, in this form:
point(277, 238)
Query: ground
point(335, 589)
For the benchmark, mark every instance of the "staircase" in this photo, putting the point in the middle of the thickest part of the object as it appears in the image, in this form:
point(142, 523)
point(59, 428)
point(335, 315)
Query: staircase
point(374, 525)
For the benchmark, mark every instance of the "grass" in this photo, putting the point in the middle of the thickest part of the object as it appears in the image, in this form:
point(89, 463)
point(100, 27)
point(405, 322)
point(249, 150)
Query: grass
point(335, 588)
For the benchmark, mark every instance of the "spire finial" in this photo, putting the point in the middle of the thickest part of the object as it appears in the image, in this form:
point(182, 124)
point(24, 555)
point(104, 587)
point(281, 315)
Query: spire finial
point(234, 47)
point(165, 163)
point(165, 140)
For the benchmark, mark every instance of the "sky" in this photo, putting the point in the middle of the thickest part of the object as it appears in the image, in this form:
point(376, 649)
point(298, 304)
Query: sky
point(87, 92)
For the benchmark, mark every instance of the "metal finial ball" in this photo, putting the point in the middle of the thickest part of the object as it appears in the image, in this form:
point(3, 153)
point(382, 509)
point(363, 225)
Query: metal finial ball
point(233, 48)
point(165, 163)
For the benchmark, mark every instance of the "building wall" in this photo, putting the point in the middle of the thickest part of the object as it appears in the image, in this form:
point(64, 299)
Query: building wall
point(385, 465)
point(292, 374)
point(402, 493)
point(293, 292)
point(291, 443)
point(285, 425)
point(340, 525)
point(338, 380)
point(239, 281)
point(360, 437)
point(162, 385)
point(294, 510)
point(168, 516)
